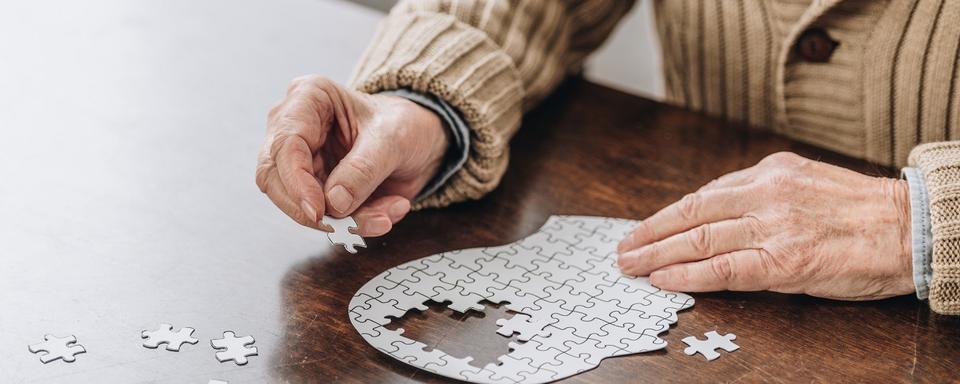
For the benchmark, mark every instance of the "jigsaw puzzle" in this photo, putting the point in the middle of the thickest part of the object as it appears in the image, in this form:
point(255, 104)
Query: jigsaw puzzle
point(53, 348)
point(342, 234)
point(234, 348)
point(573, 307)
point(166, 335)
point(708, 347)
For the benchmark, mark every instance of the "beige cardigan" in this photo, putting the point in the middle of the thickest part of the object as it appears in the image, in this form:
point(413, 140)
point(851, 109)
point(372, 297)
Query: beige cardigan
point(890, 85)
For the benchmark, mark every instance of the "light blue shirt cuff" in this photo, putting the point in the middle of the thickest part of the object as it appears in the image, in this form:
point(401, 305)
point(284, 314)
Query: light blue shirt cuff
point(459, 131)
point(921, 232)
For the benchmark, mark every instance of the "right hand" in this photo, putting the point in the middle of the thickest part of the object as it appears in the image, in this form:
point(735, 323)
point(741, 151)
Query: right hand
point(331, 150)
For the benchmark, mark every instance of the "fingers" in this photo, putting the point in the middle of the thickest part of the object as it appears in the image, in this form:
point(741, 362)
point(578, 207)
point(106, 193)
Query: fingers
point(377, 217)
point(742, 270)
point(358, 174)
point(691, 211)
point(274, 189)
point(696, 244)
point(287, 168)
point(295, 167)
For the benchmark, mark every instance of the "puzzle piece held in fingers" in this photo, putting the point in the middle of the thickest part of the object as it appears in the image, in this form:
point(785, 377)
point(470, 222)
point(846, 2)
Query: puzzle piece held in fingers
point(343, 233)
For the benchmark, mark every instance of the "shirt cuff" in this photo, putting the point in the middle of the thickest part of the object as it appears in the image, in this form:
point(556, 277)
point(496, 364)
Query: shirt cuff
point(459, 149)
point(921, 232)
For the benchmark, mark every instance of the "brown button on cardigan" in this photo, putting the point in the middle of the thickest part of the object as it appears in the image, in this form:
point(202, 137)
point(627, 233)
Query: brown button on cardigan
point(815, 45)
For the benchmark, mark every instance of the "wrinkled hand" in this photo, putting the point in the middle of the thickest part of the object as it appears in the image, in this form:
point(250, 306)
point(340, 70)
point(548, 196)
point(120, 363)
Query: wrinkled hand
point(788, 225)
point(333, 150)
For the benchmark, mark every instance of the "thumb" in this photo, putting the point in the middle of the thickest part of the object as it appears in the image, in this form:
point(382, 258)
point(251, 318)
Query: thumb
point(357, 175)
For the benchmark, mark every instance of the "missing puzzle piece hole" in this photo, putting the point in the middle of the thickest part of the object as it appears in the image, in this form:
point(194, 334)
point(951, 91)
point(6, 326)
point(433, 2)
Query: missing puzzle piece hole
point(458, 334)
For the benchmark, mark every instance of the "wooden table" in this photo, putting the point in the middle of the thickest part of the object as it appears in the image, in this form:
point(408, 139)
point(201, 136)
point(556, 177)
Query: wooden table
point(127, 150)
point(591, 150)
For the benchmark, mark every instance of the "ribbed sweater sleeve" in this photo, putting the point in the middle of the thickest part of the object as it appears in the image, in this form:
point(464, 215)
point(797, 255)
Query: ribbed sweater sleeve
point(490, 59)
point(940, 165)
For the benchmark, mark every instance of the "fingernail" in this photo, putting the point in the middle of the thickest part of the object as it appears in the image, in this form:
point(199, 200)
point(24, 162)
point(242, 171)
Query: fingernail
point(340, 199)
point(309, 210)
point(378, 225)
point(398, 209)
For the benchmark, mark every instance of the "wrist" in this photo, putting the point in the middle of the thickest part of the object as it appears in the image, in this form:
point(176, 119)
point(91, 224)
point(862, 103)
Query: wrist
point(901, 199)
point(900, 196)
point(432, 132)
point(422, 137)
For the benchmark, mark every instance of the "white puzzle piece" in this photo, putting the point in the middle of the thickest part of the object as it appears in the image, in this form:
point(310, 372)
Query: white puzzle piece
point(234, 348)
point(53, 348)
point(708, 347)
point(166, 335)
point(521, 324)
point(572, 303)
point(342, 234)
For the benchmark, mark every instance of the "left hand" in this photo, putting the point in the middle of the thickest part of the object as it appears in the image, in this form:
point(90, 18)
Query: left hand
point(788, 225)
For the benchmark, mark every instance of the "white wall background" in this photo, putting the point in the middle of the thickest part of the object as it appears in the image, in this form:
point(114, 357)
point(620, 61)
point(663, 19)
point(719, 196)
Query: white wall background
point(630, 59)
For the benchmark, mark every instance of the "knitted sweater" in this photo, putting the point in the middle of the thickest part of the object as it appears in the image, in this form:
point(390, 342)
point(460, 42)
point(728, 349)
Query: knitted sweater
point(890, 84)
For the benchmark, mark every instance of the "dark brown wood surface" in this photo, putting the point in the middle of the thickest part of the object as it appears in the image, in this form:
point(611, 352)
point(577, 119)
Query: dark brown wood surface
point(591, 150)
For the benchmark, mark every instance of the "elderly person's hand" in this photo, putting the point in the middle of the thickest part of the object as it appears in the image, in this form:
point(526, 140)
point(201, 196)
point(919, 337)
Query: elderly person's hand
point(333, 150)
point(788, 225)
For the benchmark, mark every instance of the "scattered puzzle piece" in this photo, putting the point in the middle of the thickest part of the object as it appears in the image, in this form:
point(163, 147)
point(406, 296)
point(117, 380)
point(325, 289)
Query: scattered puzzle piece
point(573, 306)
point(708, 347)
point(342, 234)
point(234, 348)
point(166, 335)
point(54, 348)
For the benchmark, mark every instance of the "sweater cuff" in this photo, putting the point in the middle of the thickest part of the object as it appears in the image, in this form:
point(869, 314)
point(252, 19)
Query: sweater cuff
point(459, 134)
point(922, 247)
point(939, 165)
point(436, 54)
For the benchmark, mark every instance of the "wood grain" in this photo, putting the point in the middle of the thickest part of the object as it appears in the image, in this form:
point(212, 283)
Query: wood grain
point(590, 150)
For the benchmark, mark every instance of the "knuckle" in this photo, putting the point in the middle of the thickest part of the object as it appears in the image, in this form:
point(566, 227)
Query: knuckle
point(699, 239)
point(689, 206)
point(722, 267)
point(753, 227)
point(766, 261)
point(275, 109)
point(308, 82)
point(320, 81)
point(362, 169)
point(279, 140)
point(263, 175)
point(652, 254)
point(311, 78)
point(642, 233)
point(766, 276)
point(297, 82)
point(709, 185)
point(779, 181)
point(780, 159)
